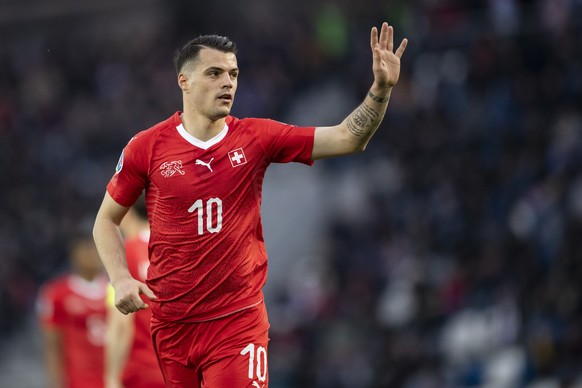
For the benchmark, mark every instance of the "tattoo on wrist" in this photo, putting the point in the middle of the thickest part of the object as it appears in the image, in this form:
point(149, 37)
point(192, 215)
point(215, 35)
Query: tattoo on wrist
point(377, 98)
point(363, 120)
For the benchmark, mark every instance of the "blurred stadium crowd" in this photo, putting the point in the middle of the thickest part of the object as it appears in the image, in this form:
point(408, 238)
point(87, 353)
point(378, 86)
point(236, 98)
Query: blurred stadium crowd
point(454, 256)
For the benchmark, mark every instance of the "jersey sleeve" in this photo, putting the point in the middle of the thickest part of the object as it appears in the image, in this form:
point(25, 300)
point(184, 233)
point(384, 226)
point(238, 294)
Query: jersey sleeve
point(131, 172)
point(285, 143)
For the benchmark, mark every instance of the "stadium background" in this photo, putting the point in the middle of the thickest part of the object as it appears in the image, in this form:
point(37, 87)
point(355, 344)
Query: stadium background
point(447, 255)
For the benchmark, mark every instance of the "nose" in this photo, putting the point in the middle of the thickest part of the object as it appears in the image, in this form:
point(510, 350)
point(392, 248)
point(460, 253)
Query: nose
point(227, 80)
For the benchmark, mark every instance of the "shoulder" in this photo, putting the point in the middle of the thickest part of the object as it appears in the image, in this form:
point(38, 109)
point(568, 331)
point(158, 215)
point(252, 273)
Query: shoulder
point(255, 122)
point(141, 146)
point(262, 126)
point(150, 134)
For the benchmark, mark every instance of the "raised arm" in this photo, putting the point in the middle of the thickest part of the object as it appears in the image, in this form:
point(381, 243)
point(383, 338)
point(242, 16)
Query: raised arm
point(111, 249)
point(355, 131)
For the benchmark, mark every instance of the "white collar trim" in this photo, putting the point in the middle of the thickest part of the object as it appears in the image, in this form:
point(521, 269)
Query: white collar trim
point(199, 143)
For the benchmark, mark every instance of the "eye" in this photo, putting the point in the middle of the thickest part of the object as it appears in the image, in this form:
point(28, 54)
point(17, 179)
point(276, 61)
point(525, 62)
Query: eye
point(234, 75)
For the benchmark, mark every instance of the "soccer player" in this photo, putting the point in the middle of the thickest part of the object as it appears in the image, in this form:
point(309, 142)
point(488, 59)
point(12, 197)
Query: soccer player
point(130, 361)
point(202, 170)
point(71, 313)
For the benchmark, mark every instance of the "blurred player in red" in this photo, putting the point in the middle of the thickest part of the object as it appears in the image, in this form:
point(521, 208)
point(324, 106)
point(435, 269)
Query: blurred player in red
point(71, 311)
point(130, 361)
point(202, 170)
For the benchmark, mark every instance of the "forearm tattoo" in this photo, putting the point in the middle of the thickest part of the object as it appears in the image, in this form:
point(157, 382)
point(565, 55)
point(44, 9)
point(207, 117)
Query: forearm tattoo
point(363, 120)
point(378, 99)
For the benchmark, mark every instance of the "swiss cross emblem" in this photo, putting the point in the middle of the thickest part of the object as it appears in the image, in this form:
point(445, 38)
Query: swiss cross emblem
point(237, 157)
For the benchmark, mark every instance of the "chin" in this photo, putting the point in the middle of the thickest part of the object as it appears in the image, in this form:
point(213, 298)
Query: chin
point(221, 113)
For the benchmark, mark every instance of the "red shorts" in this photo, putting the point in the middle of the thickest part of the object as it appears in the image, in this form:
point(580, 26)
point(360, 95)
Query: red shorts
point(229, 352)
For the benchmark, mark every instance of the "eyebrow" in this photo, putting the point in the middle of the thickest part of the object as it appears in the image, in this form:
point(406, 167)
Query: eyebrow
point(221, 69)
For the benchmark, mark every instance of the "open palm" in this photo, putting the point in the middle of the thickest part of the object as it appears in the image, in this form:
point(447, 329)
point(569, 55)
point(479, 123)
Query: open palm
point(386, 62)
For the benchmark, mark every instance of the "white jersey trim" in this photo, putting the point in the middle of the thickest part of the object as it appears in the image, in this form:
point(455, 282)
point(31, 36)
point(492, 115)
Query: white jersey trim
point(199, 143)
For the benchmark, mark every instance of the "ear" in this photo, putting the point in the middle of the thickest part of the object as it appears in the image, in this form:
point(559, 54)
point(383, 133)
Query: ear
point(183, 82)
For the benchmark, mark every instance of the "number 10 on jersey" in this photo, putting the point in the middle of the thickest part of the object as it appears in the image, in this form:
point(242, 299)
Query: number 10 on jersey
point(206, 215)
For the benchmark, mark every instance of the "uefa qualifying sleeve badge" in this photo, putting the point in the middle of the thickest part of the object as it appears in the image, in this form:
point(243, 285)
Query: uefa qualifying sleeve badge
point(119, 163)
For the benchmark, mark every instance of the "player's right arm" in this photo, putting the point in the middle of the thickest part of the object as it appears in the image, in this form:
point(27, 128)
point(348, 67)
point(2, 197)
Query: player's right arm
point(110, 245)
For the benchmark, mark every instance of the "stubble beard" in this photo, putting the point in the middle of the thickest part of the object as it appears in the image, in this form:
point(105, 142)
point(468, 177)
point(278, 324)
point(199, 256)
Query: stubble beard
point(220, 113)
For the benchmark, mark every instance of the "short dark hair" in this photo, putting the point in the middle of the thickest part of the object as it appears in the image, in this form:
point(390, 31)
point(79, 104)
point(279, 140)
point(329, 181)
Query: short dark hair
point(191, 49)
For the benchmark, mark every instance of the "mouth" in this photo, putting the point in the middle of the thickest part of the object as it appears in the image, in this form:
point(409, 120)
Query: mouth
point(226, 97)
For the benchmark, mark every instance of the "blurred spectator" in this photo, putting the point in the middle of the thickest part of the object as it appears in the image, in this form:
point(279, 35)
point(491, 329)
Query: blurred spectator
point(71, 311)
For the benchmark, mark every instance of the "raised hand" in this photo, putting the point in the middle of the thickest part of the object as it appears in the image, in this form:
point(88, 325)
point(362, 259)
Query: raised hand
point(386, 62)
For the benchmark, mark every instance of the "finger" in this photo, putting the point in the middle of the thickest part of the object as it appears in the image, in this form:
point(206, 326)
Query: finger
point(130, 304)
point(384, 35)
point(402, 48)
point(125, 308)
point(374, 38)
point(139, 303)
point(390, 45)
point(144, 289)
point(122, 310)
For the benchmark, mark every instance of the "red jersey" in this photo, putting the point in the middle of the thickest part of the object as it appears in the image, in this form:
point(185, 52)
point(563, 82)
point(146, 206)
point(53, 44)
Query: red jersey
point(141, 368)
point(207, 254)
point(76, 307)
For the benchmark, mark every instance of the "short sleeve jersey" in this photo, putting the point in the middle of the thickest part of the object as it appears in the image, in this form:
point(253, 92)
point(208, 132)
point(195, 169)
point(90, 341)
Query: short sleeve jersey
point(207, 253)
point(76, 308)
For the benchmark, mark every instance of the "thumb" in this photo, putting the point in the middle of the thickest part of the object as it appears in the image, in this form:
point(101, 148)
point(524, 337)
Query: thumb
point(144, 289)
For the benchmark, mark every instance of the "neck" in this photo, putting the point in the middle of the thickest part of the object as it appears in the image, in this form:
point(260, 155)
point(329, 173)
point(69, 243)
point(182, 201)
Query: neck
point(201, 127)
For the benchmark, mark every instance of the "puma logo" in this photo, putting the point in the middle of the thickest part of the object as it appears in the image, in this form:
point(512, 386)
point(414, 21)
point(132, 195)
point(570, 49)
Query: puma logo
point(200, 162)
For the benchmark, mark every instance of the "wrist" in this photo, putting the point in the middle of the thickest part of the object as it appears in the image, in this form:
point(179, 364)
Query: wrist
point(119, 278)
point(380, 94)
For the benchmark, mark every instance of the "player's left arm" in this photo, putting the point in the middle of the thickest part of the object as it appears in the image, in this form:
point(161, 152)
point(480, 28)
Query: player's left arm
point(355, 131)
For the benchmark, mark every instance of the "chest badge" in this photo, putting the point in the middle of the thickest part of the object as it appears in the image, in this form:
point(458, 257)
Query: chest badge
point(171, 168)
point(237, 157)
